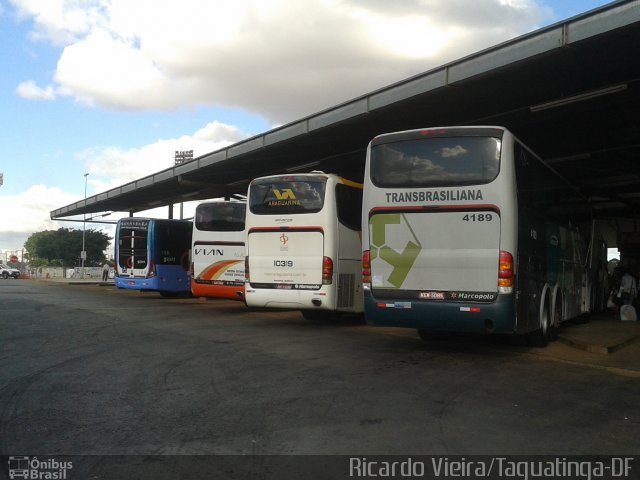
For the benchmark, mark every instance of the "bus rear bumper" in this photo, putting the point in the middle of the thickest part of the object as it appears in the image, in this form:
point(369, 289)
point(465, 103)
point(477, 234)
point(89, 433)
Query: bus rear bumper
point(497, 317)
point(154, 284)
point(291, 299)
point(136, 283)
point(230, 292)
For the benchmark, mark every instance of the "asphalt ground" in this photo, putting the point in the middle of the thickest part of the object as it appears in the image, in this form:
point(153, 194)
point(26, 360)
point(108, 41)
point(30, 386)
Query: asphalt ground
point(93, 370)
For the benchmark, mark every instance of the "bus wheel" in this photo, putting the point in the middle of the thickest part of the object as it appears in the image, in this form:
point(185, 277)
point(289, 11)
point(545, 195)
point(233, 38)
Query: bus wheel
point(541, 336)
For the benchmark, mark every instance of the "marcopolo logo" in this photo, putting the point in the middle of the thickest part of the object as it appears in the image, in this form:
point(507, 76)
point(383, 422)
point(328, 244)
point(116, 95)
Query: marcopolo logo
point(38, 469)
point(401, 261)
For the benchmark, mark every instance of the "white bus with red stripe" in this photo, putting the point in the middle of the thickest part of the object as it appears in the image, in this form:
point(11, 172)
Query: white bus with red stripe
point(217, 253)
point(457, 237)
point(304, 244)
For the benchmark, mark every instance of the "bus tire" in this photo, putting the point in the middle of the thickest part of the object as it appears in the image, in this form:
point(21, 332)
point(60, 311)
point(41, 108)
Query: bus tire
point(540, 337)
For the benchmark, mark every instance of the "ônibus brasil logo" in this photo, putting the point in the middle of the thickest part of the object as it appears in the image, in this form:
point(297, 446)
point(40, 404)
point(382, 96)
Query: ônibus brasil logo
point(38, 469)
point(400, 261)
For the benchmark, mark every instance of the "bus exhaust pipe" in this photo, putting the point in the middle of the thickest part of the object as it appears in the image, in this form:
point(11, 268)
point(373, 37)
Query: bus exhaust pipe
point(316, 302)
point(488, 325)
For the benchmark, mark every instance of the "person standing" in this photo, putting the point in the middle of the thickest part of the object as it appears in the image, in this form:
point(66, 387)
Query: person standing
point(628, 288)
point(627, 296)
point(105, 271)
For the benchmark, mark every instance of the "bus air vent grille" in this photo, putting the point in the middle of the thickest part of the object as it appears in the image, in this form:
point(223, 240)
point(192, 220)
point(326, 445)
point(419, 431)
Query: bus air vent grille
point(346, 283)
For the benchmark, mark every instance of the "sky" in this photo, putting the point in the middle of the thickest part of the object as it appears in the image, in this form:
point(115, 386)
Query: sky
point(113, 88)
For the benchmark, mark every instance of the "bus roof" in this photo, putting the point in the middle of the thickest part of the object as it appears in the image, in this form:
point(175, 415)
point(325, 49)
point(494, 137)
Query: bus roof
point(316, 174)
point(470, 130)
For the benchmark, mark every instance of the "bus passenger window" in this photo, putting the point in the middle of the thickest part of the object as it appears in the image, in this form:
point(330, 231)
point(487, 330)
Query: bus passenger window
point(349, 206)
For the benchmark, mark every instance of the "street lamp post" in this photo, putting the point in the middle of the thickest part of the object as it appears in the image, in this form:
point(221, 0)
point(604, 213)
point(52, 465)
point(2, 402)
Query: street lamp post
point(83, 254)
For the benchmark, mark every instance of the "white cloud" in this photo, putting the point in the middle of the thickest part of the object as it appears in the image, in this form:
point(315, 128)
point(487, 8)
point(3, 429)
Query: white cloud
point(109, 167)
point(219, 134)
point(114, 74)
point(279, 58)
point(31, 91)
point(60, 21)
point(28, 212)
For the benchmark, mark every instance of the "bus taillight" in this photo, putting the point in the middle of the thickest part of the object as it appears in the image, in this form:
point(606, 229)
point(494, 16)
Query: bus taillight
point(246, 269)
point(366, 266)
point(327, 271)
point(505, 273)
point(152, 270)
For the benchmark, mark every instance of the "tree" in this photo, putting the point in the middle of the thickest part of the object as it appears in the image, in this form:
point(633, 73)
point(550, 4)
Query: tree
point(63, 247)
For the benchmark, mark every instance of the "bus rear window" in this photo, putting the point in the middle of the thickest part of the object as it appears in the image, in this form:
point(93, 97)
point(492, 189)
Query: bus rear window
point(172, 242)
point(287, 197)
point(220, 217)
point(132, 243)
point(435, 162)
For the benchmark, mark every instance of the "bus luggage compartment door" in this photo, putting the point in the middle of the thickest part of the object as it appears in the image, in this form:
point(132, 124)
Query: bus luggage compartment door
point(440, 250)
point(281, 259)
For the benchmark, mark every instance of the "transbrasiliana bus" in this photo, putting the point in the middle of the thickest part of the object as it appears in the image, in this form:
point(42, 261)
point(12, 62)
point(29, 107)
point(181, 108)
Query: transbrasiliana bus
point(304, 244)
point(153, 255)
point(217, 254)
point(454, 242)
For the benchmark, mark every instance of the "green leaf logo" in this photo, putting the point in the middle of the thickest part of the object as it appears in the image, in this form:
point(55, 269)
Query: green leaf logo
point(400, 261)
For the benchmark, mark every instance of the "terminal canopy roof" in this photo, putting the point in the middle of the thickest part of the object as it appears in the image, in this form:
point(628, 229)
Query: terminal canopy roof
point(571, 92)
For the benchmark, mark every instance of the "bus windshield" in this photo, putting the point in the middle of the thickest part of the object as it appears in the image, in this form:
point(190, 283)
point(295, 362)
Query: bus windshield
point(220, 217)
point(273, 197)
point(436, 161)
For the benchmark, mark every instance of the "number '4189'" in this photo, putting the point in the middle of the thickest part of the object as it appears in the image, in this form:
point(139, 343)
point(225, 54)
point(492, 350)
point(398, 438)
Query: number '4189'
point(478, 217)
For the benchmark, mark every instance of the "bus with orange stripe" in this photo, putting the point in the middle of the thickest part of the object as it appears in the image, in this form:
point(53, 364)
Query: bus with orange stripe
point(217, 252)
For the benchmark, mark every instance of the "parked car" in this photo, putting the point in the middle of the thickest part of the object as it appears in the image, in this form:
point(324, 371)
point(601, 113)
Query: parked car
point(6, 272)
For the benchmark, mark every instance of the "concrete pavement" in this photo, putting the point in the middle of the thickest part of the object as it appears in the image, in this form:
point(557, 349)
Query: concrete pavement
point(75, 281)
point(602, 342)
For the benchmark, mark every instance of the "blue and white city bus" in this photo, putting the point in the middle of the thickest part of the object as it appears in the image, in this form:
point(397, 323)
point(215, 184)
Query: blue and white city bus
point(153, 255)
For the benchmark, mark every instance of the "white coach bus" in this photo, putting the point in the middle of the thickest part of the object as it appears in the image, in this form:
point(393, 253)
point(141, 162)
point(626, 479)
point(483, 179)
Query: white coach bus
point(454, 240)
point(304, 244)
point(217, 253)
